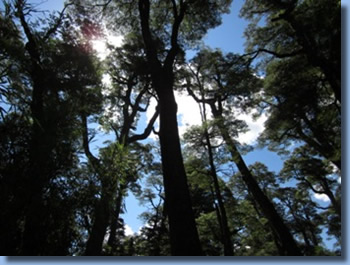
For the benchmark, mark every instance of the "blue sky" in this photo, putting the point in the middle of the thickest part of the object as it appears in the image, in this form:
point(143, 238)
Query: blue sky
point(228, 37)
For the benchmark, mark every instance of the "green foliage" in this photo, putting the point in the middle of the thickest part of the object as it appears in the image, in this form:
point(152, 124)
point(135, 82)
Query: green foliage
point(52, 187)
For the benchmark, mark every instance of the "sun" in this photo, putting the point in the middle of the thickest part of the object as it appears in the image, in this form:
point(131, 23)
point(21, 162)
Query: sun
point(100, 45)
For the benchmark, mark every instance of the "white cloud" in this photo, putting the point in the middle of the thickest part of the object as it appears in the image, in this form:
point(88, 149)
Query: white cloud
point(187, 112)
point(321, 197)
point(128, 230)
point(339, 180)
point(256, 127)
point(149, 113)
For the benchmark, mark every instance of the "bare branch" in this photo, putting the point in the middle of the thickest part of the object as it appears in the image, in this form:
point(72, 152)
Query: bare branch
point(54, 28)
point(148, 129)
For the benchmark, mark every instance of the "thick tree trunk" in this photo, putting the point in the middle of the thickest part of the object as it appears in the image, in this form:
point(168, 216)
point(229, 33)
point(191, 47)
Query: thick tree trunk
point(284, 237)
point(99, 228)
point(112, 239)
point(39, 173)
point(183, 232)
point(102, 208)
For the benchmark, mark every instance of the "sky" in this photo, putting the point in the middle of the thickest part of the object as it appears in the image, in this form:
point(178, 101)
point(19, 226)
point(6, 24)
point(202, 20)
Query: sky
point(228, 37)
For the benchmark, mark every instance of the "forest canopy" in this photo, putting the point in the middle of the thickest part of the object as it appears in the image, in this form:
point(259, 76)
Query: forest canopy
point(119, 68)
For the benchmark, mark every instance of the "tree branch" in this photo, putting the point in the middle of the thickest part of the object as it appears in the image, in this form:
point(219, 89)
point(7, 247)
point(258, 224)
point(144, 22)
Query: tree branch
point(94, 161)
point(144, 10)
point(178, 18)
point(54, 28)
point(147, 131)
point(312, 188)
point(31, 44)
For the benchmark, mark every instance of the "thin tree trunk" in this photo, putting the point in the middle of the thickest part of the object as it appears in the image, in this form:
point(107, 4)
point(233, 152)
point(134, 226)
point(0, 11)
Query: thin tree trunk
point(286, 240)
point(102, 209)
point(226, 234)
point(329, 193)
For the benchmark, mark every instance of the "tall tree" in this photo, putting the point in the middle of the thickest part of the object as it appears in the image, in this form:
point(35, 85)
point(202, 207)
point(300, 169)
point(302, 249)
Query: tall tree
point(128, 96)
point(202, 138)
point(184, 14)
point(311, 29)
point(45, 84)
point(307, 114)
point(303, 38)
point(167, 28)
point(222, 78)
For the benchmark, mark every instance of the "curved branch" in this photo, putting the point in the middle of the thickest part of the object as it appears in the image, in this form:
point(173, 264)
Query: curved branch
point(94, 161)
point(147, 131)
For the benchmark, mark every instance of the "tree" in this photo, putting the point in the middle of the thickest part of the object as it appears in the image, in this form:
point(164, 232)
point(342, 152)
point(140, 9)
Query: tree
point(254, 234)
point(211, 218)
point(203, 139)
point(306, 114)
point(130, 86)
point(47, 73)
point(62, 192)
point(167, 28)
point(153, 239)
point(218, 76)
point(303, 217)
point(304, 106)
point(183, 234)
point(313, 173)
point(308, 29)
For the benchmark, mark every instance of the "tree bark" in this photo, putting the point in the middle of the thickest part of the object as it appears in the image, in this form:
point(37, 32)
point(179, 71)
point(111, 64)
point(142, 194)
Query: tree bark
point(183, 232)
point(336, 205)
point(112, 239)
point(98, 232)
point(40, 155)
point(222, 217)
point(184, 238)
point(286, 241)
point(226, 234)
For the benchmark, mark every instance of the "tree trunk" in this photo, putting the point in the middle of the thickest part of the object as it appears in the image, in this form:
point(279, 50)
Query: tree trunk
point(226, 234)
point(336, 205)
point(40, 171)
point(183, 232)
point(184, 238)
point(98, 232)
point(286, 240)
point(112, 240)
